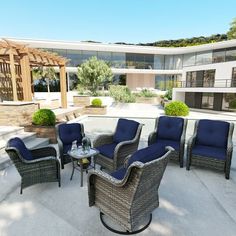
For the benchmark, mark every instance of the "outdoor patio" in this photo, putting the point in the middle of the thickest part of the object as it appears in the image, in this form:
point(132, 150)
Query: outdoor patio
point(195, 202)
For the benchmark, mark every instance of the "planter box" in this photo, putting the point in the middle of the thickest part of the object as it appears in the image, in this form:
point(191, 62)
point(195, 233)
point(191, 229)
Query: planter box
point(95, 110)
point(152, 100)
point(43, 132)
point(17, 113)
point(81, 101)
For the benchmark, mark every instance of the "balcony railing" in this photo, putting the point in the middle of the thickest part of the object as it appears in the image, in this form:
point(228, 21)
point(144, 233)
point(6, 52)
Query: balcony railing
point(222, 83)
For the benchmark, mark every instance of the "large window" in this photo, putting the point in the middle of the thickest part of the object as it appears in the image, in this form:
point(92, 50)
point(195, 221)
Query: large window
point(202, 78)
point(207, 100)
point(118, 60)
point(159, 62)
point(229, 102)
point(165, 82)
point(204, 58)
point(139, 61)
point(208, 78)
point(218, 56)
point(231, 55)
point(189, 59)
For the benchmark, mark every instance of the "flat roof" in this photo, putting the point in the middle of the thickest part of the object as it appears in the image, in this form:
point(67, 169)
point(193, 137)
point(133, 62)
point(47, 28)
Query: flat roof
point(76, 45)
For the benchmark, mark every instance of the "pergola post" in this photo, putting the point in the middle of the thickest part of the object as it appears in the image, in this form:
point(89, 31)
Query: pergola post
point(26, 77)
point(13, 75)
point(63, 86)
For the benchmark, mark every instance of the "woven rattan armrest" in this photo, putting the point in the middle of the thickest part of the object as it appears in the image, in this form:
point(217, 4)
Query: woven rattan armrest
point(43, 152)
point(103, 139)
point(152, 138)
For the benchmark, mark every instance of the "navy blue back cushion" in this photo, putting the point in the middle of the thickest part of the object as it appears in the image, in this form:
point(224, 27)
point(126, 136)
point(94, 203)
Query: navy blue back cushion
point(212, 133)
point(170, 128)
point(70, 132)
point(125, 130)
point(20, 146)
point(144, 155)
point(147, 154)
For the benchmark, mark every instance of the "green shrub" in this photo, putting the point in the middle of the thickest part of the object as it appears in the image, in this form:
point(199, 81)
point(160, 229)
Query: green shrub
point(121, 93)
point(96, 102)
point(168, 94)
point(176, 108)
point(232, 104)
point(44, 117)
point(147, 93)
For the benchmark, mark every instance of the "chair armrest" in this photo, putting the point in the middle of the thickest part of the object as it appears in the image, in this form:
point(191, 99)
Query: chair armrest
point(191, 143)
point(43, 152)
point(49, 158)
point(152, 138)
point(103, 139)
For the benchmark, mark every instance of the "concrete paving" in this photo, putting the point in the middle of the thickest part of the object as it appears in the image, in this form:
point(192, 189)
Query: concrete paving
point(195, 202)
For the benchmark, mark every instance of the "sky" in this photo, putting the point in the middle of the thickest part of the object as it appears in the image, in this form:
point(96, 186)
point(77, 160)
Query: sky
point(110, 21)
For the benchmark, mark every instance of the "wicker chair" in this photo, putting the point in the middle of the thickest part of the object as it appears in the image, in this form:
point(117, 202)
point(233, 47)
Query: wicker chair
point(170, 131)
point(115, 147)
point(211, 145)
point(129, 195)
point(66, 134)
point(34, 166)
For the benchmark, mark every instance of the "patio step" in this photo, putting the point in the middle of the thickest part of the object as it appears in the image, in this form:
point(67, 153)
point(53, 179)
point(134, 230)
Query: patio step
point(29, 138)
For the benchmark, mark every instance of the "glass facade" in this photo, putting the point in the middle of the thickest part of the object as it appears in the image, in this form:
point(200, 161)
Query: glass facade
point(148, 61)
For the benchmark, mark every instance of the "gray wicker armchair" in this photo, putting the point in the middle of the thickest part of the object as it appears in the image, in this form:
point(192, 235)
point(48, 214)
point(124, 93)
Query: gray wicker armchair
point(114, 148)
point(170, 131)
point(211, 145)
point(66, 134)
point(128, 199)
point(34, 166)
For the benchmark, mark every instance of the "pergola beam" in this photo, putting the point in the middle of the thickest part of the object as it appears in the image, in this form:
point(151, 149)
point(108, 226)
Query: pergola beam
point(19, 54)
point(13, 76)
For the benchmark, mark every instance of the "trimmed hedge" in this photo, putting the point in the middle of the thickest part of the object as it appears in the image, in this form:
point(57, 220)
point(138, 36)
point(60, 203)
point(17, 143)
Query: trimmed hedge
point(44, 117)
point(176, 108)
point(96, 102)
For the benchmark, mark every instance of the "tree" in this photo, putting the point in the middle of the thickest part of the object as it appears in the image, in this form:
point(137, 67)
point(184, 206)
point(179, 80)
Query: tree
point(46, 74)
point(94, 73)
point(232, 30)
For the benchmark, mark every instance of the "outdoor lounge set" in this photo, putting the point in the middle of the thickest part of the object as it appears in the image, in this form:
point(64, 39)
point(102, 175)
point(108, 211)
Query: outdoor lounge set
point(127, 192)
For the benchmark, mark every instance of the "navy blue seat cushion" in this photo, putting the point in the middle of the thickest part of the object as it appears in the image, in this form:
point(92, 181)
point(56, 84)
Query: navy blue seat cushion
point(107, 150)
point(144, 155)
point(209, 151)
point(125, 130)
point(170, 128)
point(69, 133)
point(212, 133)
point(119, 174)
point(20, 146)
point(173, 144)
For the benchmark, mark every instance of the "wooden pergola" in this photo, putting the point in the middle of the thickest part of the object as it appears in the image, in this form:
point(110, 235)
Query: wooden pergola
point(17, 60)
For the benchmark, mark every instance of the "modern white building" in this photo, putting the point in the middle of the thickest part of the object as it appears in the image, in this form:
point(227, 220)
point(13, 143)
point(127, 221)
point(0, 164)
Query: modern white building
point(204, 76)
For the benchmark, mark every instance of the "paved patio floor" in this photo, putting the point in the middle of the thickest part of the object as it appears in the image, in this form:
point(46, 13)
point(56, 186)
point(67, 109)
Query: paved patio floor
point(196, 202)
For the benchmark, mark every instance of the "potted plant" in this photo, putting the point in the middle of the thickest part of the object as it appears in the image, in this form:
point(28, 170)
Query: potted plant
point(43, 124)
point(96, 107)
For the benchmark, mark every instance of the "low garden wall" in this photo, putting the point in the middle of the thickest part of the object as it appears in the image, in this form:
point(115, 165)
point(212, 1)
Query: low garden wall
point(17, 113)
